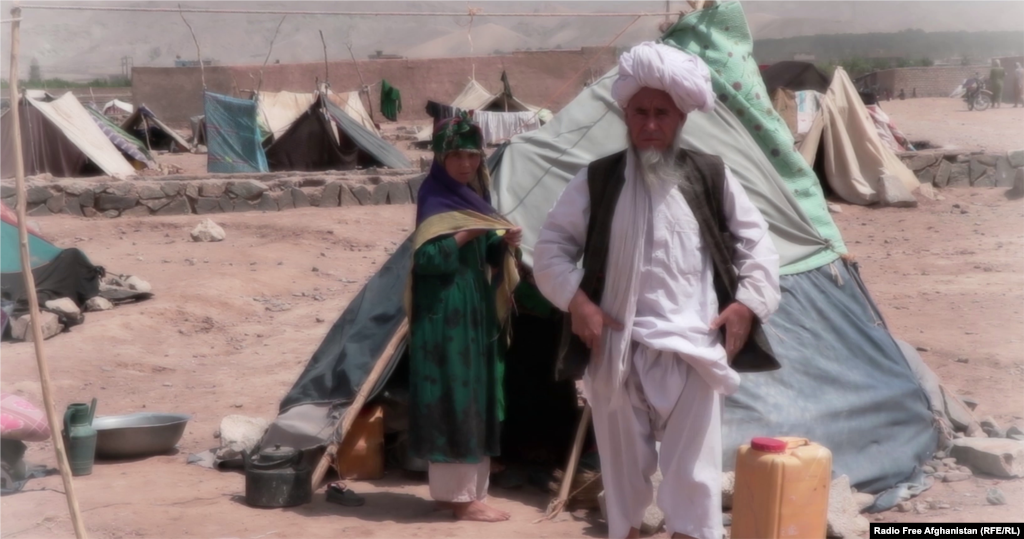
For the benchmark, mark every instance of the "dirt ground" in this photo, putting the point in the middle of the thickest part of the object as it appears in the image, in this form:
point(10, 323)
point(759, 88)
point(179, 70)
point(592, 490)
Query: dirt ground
point(946, 278)
point(946, 123)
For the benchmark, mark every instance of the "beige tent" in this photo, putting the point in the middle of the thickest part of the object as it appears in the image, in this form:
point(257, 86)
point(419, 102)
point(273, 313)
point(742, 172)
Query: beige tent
point(278, 110)
point(475, 97)
point(61, 139)
point(854, 156)
point(352, 104)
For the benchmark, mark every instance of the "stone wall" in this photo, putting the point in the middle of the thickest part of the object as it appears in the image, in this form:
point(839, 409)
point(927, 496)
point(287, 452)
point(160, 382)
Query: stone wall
point(176, 93)
point(182, 195)
point(935, 81)
point(944, 168)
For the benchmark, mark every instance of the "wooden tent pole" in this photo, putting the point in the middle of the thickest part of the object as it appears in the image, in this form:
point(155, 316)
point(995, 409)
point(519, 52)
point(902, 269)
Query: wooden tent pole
point(560, 502)
point(30, 286)
point(362, 83)
point(349, 419)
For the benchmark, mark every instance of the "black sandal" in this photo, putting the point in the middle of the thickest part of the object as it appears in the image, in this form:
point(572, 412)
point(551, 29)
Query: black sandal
point(338, 493)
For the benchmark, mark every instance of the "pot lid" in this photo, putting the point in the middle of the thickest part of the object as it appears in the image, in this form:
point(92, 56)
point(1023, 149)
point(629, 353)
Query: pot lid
point(277, 453)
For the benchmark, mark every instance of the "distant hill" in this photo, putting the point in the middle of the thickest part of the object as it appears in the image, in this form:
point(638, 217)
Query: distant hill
point(976, 47)
point(85, 44)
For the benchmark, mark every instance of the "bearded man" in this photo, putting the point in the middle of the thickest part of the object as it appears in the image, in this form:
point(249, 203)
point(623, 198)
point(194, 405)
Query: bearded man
point(678, 273)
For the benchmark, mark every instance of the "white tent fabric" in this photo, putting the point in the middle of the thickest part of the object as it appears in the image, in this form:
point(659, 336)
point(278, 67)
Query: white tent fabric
point(854, 156)
point(475, 97)
point(277, 110)
point(112, 107)
point(536, 167)
point(352, 104)
point(68, 114)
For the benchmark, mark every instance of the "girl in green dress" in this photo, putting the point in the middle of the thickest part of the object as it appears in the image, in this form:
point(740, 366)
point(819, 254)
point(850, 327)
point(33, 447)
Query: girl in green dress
point(456, 340)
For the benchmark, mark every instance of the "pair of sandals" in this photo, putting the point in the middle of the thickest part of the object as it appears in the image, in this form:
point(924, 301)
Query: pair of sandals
point(340, 494)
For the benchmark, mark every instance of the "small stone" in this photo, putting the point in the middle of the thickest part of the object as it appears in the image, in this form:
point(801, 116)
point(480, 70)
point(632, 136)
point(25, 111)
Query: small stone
point(64, 306)
point(363, 195)
point(863, 500)
point(212, 188)
point(98, 303)
point(928, 469)
point(942, 506)
point(923, 349)
point(177, 207)
point(963, 360)
point(954, 477)
point(138, 284)
point(904, 507)
point(1014, 431)
point(948, 460)
point(315, 269)
point(49, 323)
point(207, 231)
point(299, 198)
point(168, 384)
point(995, 496)
point(247, 189)
point(1016, 158)
point(319, 320)
point(920, 508)
point(999, 457)
point(237, 405)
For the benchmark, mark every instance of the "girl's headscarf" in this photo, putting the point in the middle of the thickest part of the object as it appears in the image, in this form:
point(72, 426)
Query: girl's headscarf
point(441, 193)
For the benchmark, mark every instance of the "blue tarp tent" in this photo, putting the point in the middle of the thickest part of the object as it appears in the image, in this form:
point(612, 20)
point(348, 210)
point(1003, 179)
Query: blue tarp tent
point(233, 138)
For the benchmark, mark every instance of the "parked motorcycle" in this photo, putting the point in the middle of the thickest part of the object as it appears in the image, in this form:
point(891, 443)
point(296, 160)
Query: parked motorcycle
point(977, 97)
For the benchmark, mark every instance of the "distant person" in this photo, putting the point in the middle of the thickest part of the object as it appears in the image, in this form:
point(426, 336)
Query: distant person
point(995, 77)
point(1019, 83)
point(903, 95)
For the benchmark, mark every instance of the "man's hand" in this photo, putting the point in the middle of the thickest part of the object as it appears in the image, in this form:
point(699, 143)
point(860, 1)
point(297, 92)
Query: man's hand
point(514, 237)
point(588, 320)
point(737, 319)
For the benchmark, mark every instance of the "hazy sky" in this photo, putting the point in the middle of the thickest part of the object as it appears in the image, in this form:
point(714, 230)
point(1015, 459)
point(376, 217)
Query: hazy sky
point(77, 44)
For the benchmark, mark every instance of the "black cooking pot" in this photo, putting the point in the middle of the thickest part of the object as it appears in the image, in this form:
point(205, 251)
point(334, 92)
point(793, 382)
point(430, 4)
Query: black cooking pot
point(276, 477)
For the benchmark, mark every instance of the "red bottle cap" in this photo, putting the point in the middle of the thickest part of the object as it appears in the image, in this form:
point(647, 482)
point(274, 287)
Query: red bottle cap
point(768, 445)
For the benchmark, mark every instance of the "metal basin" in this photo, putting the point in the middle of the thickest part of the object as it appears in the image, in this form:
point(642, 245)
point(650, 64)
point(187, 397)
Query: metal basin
point(138, 435)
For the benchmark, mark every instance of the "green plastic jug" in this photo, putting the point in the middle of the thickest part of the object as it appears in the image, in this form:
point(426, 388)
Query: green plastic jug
point(80, 437)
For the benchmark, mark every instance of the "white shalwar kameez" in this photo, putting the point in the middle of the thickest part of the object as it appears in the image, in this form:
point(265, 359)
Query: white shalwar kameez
point(678, 371)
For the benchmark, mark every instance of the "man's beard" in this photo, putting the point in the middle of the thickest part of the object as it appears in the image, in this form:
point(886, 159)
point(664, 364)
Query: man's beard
point(660, 169)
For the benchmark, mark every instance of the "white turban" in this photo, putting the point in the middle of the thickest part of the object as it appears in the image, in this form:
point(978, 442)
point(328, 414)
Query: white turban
point(682, 75)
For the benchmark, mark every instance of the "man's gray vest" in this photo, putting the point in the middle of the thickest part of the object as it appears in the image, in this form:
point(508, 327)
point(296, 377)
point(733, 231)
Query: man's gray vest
point(706, 174)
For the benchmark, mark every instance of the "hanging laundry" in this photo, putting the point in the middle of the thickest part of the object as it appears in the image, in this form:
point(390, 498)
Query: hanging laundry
point(390, 101)
point(498, 127)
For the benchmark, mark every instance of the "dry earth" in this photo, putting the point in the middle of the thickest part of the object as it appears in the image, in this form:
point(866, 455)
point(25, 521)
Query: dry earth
point(946, 280)
point(947, 123)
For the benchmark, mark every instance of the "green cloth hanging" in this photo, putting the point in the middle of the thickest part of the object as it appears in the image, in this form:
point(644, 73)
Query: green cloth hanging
point(390, 101)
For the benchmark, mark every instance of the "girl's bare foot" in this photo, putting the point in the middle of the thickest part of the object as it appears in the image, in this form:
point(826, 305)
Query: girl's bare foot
point(479, 512)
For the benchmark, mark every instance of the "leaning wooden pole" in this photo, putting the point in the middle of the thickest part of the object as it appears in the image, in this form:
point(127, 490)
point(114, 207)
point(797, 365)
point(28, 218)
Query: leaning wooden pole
point(565, 492)
point(30, 285)
point(343, 426)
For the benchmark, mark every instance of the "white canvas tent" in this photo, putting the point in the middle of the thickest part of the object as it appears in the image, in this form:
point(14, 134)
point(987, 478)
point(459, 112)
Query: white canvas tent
point(854, 156)
point(116, 107)
point(73, 126)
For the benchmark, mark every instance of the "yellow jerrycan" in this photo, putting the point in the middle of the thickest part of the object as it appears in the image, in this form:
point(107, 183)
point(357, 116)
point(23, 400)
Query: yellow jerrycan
point(781, 489)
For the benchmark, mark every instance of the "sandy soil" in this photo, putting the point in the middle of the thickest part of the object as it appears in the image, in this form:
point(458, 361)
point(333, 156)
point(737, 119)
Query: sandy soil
point(947, 123)
point(205, 345)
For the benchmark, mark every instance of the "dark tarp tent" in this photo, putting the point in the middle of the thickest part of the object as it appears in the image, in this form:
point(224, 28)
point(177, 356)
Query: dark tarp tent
point(844, 382)
point(58, 273)
point(147, 128)
point(132, 148)
point(326, 138)
point(232, 134)
point(795, 76)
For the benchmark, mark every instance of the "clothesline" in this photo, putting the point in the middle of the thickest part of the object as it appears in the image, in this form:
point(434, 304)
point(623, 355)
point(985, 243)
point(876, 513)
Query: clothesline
point(478, 12)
